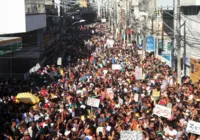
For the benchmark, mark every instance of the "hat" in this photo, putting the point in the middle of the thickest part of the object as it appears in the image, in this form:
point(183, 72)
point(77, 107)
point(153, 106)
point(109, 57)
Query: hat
point(52, 124)
point(46, 118)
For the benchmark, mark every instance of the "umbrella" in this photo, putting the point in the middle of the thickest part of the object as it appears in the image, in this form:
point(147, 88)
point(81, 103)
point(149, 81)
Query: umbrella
point(27, 98)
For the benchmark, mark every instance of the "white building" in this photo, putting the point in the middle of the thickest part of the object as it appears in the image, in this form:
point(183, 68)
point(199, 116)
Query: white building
point(19, 16)
point(191, 15)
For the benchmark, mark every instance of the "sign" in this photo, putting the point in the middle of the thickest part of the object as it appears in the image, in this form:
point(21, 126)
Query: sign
point(109, 93)
point(59, 61)
point(162, 111)
point(138, 73)
point(116, 67)
point(103, 20)
point(93, 102)
point(35, 68)
point(155, 93)
point(110, 43)
point(130, 135)
point(136, 97)
point(164, 60)
point(150, 44)
point(140, 52)
point(193, 127)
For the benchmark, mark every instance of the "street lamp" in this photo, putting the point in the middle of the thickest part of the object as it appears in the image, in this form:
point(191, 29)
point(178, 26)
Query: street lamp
point(80, 21)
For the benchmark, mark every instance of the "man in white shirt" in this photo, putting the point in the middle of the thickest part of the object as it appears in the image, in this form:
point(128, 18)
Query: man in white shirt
point(165, 128)
point(171, 133)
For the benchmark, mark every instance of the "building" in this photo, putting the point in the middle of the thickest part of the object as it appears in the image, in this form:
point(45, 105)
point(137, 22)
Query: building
point(190, 10)
point(25, 19)
point(21, 16)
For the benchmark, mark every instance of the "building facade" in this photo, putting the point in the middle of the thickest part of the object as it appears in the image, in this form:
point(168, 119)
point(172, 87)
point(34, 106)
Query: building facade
point(190, 10)
point(25, 19)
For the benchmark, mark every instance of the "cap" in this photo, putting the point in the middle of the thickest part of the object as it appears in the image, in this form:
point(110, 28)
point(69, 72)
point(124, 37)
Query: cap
point(46, 118)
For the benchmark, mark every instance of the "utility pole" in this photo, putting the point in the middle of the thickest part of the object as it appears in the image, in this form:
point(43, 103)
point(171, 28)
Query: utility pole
point(184, 62)
point(178, 40)
point(174, 35)
point(163, 38)
point(144, 38)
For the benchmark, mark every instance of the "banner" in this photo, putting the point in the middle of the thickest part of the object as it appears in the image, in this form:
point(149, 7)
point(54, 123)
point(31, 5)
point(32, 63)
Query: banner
point(116, 67)
point(93, 102)
point(193, 127)
point(130, 135)
point(162, 111)
point(150, 44)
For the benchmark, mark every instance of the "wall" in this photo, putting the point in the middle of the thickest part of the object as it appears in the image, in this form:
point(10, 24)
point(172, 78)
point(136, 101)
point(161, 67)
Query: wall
point(34, 22)
point(189, 2)
point(192, 37)
point(12, 14)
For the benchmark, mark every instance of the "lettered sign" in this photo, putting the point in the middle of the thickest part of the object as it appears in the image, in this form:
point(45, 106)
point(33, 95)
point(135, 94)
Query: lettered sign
point(130, 135)
point(193, 127)
point(93, 102)
point(162, 111)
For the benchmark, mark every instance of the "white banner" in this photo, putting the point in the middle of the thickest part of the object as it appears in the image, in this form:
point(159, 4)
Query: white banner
point(116, 67)
point(93, 102)
point(130, 135)
point(163, 111)
point(193, 127)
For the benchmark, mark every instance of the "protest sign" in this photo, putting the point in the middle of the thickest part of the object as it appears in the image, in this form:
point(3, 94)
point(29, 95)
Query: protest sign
point(140, 52)
point(162, 111)
point(109, 93)
point(103, 20)
point(193, 127)
point(130, 135)
point(93, 102)
point(110, 43)
point(138, 73)
point(59, 61)
point(155, 93)
point(136, 97)
point(116, 67)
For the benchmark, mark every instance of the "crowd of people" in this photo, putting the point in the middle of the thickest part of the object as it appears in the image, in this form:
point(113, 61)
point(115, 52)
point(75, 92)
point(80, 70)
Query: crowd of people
point(63, 113)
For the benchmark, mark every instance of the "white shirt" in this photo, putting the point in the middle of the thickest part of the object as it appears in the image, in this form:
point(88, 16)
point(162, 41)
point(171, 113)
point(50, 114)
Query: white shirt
point(172, 133)
point(166, 130)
